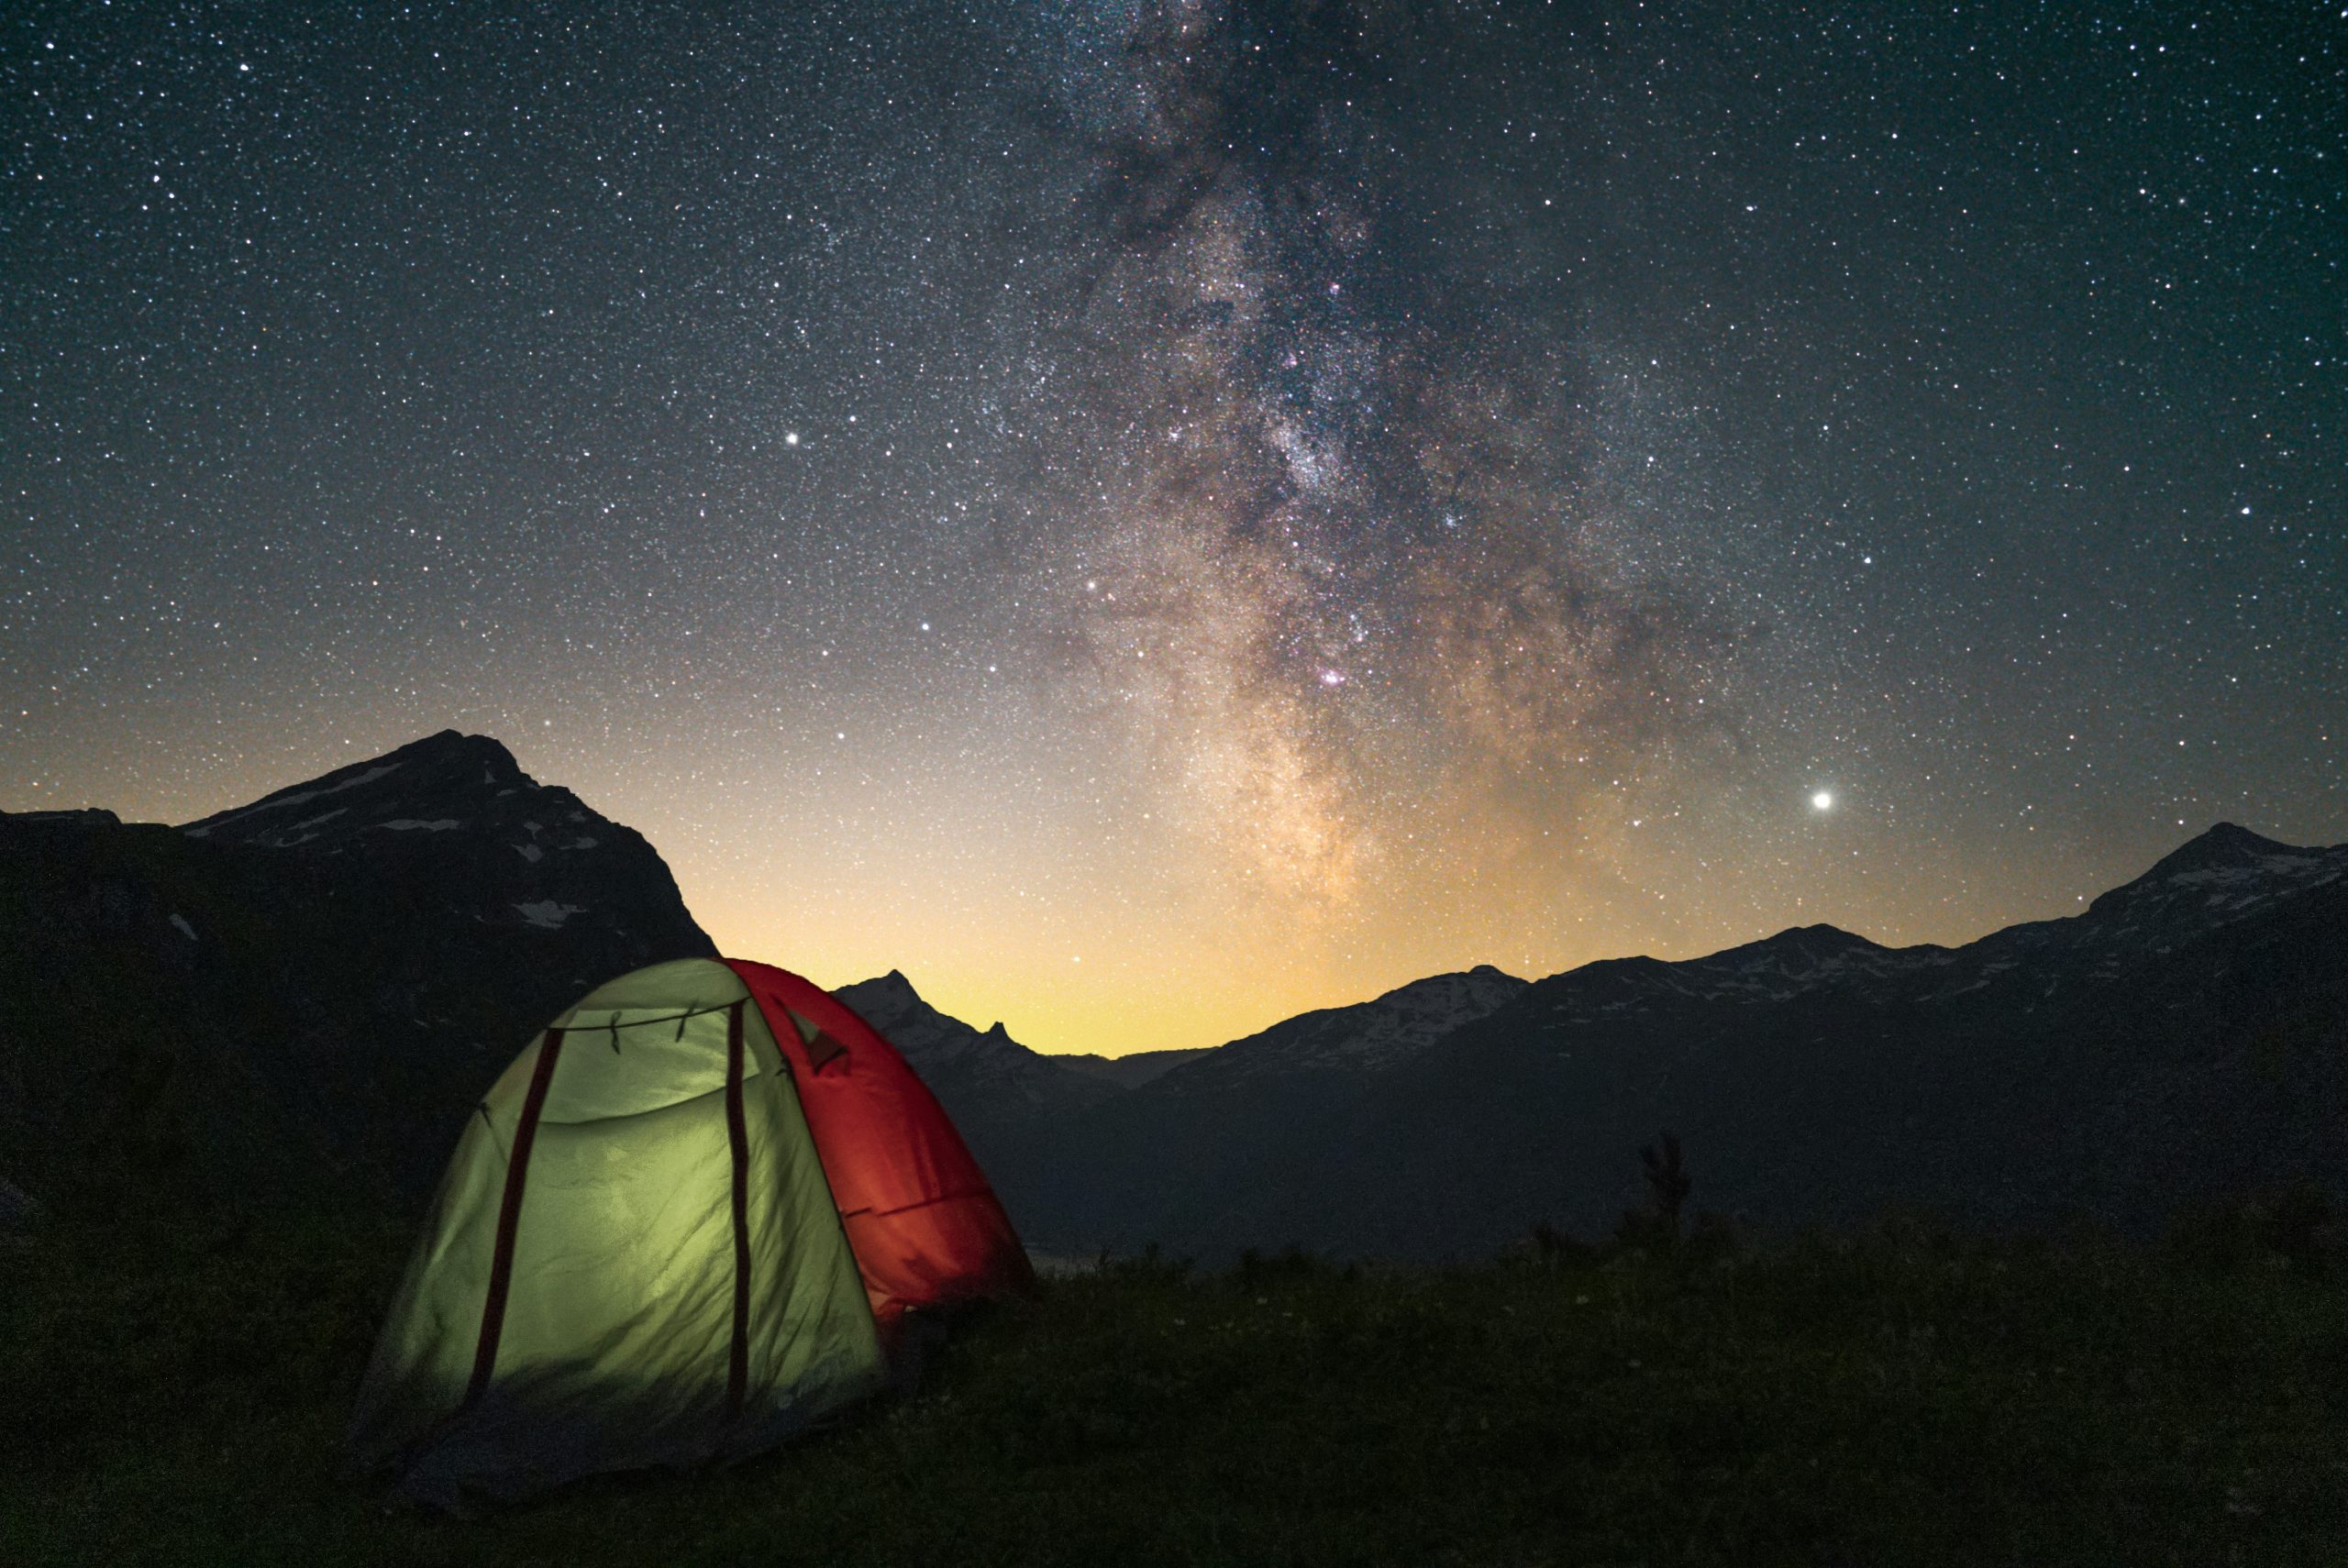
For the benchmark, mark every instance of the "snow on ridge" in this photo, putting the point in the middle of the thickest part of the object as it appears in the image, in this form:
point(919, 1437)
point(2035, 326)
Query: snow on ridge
point(1377, 1034)
point(1777, 975)
point(549, 915)
point(409, 824)
point(279, 801)
point(2222, 893)
point(2291, 866)
point(1755, 973)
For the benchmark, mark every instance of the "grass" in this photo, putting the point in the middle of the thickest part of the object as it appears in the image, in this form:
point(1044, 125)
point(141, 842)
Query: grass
point(176, 1396)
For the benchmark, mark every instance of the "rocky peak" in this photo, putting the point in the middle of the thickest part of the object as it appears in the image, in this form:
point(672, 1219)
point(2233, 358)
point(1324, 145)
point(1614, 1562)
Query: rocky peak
point(1481, 981)
point(1774, 968)
point(924, 1036)
point(454, 817)
point(1442, 1003)
point(1800, 952)
point(983, 1076)
point(890, 993)
point(2221, 847)
point(2220, 850)
point(445, 783)
point(2210, 879)
point(1821, 940)
point(890, 1004)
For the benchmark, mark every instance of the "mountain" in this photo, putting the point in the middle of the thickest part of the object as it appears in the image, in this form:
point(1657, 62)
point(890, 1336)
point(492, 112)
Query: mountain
point(2182, 1038)
point(1132, 1071)
point(1035, 1120)
point(307, 994)
point(1161, 1160)
point(1001, 1095)
point(1365, 1037)
point(311, 991)
point(454, 820)
point(983, 1073)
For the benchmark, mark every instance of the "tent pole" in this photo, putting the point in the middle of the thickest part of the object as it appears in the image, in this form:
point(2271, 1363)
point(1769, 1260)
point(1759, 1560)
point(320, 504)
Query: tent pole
point(509, 1220)
point(738, 1373)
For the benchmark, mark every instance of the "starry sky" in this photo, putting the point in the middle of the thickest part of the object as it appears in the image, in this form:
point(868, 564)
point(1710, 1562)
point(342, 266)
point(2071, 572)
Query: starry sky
point(1152, 516)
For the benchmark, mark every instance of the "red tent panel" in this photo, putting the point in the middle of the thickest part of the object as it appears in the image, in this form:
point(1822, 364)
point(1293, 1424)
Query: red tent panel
point(925, 1227)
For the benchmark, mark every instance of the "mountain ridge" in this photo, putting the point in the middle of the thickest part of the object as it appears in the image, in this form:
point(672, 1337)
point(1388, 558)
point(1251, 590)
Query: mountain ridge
point(321, 980)
point(2023, 1077)
point(296, 1002)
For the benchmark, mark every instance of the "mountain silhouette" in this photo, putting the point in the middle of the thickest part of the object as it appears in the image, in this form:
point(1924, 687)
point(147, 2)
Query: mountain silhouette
point(304, 995)
point(2185, 1037)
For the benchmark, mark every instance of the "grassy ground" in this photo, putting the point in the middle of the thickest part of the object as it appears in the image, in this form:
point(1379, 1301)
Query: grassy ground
point(178, 1397)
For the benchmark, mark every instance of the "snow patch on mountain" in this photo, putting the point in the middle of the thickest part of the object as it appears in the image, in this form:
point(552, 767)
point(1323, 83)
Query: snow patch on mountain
point(449, 807)
point(2222, 875)
point(2215, 878)
point(367, 775)
point(1365, 1037)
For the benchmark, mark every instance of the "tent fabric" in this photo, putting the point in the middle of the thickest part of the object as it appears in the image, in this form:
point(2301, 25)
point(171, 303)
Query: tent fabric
point(669, 1148)
point(927, 1228)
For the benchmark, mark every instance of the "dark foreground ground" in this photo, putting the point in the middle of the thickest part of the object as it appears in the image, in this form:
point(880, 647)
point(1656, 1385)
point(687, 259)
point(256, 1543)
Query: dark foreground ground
point(175, 1393)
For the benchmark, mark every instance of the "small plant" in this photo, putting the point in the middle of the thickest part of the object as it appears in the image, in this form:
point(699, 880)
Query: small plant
point(1655, 1224)
point(1667, 1183)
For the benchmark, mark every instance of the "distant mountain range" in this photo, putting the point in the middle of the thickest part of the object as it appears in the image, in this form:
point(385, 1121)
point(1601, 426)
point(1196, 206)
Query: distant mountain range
point(307, 994)
point(2183, 1039)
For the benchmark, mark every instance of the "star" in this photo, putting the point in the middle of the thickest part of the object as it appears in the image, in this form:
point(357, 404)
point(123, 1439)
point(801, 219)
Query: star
point(1285, 378)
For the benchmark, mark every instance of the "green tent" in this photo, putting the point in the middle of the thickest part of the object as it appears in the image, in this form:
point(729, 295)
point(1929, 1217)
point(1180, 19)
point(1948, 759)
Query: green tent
point(677, 1287)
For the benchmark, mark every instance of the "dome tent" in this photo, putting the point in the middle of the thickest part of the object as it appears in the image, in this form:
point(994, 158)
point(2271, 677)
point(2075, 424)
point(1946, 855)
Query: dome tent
point(681, 1227)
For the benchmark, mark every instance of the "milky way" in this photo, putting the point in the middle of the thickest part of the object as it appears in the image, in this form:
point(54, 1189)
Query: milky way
point(1151, 516)
point(1358, 582)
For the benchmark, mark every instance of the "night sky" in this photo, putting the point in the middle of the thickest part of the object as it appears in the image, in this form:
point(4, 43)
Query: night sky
point(1151, 517)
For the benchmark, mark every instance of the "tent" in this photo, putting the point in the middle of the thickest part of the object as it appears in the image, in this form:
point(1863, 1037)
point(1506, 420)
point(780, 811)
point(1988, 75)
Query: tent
point(685, 1225)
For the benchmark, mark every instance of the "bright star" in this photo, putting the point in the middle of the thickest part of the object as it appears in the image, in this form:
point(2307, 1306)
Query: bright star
point(1824, 801)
